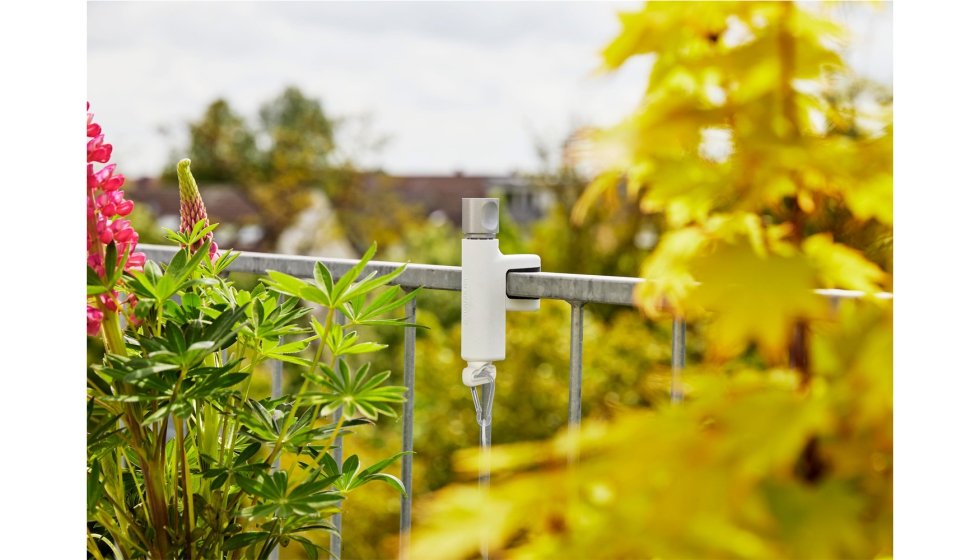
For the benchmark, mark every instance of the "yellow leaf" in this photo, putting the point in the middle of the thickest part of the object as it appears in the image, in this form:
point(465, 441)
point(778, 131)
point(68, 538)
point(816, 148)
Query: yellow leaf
point(754, 300)
point(839, 266)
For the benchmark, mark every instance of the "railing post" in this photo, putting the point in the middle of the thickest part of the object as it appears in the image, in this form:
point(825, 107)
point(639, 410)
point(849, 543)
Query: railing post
point(336, 541)
point(678, 350)
point(408, 418)
point(276, 393)
point(575, 380)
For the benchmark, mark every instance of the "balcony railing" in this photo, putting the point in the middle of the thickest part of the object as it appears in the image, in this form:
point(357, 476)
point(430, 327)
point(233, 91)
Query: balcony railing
point(575, 289)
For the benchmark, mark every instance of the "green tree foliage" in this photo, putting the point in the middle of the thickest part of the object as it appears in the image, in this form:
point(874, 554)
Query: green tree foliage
point(290, 152)
point(770, 167)
point(222, 147)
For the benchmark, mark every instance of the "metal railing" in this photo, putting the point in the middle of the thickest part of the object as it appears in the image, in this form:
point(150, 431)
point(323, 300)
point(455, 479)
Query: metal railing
point(575, 289)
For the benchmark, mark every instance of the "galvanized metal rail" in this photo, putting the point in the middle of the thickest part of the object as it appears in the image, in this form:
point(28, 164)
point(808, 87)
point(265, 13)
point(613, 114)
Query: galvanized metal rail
point(576, 289)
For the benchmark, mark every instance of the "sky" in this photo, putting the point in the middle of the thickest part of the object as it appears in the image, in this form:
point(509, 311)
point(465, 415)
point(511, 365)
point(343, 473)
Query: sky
point(451, 86)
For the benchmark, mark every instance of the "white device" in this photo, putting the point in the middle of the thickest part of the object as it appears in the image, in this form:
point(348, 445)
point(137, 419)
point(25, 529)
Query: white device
point(485, 300)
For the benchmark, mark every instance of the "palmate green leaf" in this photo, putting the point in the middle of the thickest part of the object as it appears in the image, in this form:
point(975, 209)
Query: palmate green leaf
point(351, 478)
point(355, 393)
point(381, 304)
point(274, 321)
point(368, 284)
point(357, 314)
point(183, 263)
point(307, 498)
point(281, 352)
point(341, 344)
point(223, 262)
point(263, 420)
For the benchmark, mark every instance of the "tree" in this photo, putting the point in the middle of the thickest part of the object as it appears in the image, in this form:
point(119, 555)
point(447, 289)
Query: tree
point(222, 147)
point(292, 151)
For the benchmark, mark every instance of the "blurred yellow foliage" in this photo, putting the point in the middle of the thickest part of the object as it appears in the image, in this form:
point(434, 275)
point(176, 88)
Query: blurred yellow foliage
point(770, 165)
point(752, 466)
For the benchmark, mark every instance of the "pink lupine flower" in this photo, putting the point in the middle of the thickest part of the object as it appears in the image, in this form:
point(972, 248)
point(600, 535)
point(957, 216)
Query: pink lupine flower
point(110, 301)
point(94, 317)
point(105, 208)
point(104, 179)
point(136, 262)
point(98, 151)
point(192, 208)
point(113, 204)
point(121, 231)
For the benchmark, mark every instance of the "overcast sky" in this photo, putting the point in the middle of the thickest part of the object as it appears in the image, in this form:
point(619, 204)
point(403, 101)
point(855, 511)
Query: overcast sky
point(454, 86)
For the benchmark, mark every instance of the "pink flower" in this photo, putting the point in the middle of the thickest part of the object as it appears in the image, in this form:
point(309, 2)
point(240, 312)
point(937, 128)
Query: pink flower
point(105, 209)
point(121, 231)
point(94, 317)
point(110, 301)
point(102, 228)
point(104, 179)
point(97, 151)
point(136, 262)
point(124, 208)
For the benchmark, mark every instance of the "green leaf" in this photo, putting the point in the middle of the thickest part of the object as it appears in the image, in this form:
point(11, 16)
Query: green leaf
point(341, 286)
point(351, 464)
point(323, 278)
point(366, 285)
point(111, 257)
point(95, 290)
point(385, 463)
point(93, 278)
point(165, 288)
point(285, 284)
point(391, 480)
point(242, 540)
point(95, 486)
point(363, 348)
point(355, 393)
point(190, 300)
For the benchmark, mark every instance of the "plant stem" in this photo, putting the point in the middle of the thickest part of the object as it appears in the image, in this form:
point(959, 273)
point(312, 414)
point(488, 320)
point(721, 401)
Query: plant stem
point(136, 529)
point(188, 485)
point(292, 411)
point(333, 437)
point(94, 546)
point(316, 416)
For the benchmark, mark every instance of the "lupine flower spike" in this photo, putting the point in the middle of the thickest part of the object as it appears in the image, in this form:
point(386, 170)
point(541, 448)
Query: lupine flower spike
point(106, 208)
point(192, 207)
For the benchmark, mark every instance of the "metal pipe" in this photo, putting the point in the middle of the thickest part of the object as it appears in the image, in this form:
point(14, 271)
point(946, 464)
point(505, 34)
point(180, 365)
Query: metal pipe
point(615, 290)
point(276, 392)
point(575, 379)
point(338, 456)
point(432, 277)
point(408, 419)
point(678, 352)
